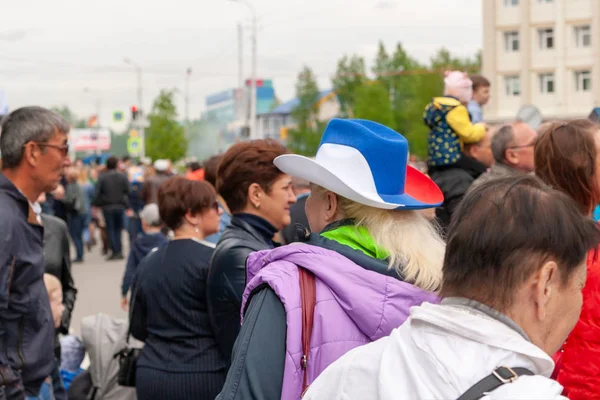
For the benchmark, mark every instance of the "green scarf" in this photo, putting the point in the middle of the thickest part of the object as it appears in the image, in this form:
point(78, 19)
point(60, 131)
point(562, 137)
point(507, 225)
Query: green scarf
point(357, 238)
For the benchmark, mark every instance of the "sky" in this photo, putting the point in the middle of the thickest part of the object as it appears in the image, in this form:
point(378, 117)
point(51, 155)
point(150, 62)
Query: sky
point(71, 52)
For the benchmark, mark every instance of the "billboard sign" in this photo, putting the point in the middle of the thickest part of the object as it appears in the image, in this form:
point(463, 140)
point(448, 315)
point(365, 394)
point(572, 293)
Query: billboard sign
point(90, 139)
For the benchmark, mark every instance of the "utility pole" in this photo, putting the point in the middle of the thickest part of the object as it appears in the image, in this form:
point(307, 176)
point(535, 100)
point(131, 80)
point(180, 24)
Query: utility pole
point(140, 126)
point(241, 95)
point(253, 132)
point(188, 74)
point(253, 78)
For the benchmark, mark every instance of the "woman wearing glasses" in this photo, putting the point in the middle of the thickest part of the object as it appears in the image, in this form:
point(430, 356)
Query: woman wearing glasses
point(180, 359)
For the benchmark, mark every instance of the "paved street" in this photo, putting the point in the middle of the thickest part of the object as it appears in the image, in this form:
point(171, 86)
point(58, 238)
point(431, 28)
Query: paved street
point(98, 283)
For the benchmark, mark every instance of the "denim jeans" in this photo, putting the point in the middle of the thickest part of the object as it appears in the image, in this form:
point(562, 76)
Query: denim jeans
point(76, 224)
point(115, 221)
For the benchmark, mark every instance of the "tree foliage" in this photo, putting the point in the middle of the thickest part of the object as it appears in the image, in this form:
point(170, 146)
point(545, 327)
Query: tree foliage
point(165, 137)
point(349, 77)
point(70, 116)
point(372, 102)
point(306, 136)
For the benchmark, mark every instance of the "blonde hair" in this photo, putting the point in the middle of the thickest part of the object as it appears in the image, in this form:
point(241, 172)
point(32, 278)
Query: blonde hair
point(415, 247)
point(83, 177)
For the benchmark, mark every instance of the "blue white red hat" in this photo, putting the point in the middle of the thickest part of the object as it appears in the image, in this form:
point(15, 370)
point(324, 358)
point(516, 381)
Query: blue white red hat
point(365, 162)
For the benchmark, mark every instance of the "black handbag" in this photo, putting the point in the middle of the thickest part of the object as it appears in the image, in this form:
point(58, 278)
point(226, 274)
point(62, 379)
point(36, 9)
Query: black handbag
point(128, 356)
point(500, 376)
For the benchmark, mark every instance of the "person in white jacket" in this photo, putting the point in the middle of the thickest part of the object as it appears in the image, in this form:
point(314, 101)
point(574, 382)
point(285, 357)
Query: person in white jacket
point(511, 293)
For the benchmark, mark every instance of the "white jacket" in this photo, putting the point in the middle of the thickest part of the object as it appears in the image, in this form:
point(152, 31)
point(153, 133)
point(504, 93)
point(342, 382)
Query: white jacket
point(438, 353)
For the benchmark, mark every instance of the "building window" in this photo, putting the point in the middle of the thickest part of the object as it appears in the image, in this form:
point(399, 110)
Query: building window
point(583, 36)
point(546, 83)
point(583, 81)
point(546, 38)
point(511, 41)
point(511, 3)
point(512, 84)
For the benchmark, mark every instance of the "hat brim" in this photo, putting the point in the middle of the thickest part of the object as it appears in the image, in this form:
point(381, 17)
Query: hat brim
point(420, 191)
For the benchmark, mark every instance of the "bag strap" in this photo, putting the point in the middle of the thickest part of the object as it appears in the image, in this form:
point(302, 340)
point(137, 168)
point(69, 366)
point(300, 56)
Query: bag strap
point(500, 376)
point(308, 295)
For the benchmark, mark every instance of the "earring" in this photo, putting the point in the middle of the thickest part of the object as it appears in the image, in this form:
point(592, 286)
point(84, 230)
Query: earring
point(196, 229)
point(257, 206)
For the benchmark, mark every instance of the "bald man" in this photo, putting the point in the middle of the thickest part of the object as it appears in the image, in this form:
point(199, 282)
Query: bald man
point(512, 147)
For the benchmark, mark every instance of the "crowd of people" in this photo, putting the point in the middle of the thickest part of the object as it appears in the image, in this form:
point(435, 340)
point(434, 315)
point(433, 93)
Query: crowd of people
point(261, 274)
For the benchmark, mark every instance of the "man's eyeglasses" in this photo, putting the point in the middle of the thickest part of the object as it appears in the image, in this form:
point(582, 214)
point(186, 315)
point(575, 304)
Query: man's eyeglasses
point(532, 144)
point(64, 148)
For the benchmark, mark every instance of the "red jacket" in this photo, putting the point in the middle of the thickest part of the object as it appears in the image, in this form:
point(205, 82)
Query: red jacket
point(580, 372)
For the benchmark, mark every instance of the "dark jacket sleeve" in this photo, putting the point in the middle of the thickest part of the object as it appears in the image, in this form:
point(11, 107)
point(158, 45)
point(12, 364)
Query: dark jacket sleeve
point(68, 286)
point(259, 353)
point(98, 195)
point(128, 277)
point(226, 282)
point(137, 319)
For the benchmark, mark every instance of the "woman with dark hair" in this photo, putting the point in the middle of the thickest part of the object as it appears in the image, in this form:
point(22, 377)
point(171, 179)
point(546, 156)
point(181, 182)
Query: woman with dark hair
point(259, 196)
point(180, 359)
point(567, 156)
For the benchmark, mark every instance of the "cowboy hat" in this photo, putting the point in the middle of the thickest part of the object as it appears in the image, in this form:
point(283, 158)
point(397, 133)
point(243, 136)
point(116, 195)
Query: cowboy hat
point(365, 162)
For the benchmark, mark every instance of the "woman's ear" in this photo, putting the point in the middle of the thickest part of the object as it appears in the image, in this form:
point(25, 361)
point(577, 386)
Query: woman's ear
point(331, 202)
point(255, 193)
point(193, 219)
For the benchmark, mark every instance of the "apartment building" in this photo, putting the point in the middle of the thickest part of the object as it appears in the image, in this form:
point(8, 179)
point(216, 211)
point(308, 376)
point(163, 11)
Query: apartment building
point(542, 52)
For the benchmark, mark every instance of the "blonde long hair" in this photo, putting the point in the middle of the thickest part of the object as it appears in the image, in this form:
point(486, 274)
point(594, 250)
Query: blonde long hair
point(415, 247)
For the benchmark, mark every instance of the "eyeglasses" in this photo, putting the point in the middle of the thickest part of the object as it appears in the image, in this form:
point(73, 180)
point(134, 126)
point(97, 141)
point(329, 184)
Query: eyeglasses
point(64, 148)
point(532, 144)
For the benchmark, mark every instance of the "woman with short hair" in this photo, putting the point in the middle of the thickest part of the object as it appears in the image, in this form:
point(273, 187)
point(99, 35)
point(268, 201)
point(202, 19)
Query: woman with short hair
point(180, 359)
point(567, 156)
point(511, 289)
point(372, 257)
point(259, 196)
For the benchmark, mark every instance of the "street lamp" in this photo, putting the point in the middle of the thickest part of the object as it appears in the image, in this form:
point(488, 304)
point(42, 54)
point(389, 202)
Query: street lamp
point(253, 78)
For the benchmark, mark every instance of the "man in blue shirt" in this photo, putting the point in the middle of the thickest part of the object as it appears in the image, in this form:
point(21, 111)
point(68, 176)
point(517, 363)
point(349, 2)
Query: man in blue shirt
point(481, 95)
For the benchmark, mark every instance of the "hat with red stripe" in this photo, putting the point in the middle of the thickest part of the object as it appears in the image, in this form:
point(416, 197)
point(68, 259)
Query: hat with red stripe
point(365, 162)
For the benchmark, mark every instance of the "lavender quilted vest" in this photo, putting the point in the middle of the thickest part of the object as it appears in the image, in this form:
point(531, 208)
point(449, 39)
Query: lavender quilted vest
point(354, 306)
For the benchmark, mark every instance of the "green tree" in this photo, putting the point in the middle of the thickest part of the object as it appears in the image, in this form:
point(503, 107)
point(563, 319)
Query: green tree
point(165, 137)
point(69, 116)
point(372, 102)
point(305, 137)
point(349, 77)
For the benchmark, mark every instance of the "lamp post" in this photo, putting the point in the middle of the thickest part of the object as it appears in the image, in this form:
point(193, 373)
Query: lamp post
point(138, 71)
point(253, 78)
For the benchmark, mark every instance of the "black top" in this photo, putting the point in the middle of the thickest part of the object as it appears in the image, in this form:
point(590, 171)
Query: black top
point(58, 263)
point(169, 310)
point(227, 277)
point(112, 190)
point(454, 181)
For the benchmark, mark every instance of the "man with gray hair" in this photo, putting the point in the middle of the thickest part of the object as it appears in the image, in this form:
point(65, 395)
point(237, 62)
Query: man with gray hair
point(34, 147)
point(301, 188)
point(512, 147)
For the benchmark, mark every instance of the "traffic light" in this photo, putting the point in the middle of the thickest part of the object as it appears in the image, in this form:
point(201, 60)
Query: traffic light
point(134, 113)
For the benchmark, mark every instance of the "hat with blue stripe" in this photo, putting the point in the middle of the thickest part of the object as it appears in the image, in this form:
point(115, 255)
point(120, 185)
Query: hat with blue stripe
point(365, 162)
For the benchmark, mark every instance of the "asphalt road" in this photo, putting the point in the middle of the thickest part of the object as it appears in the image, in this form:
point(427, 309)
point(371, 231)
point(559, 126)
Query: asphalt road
point(98, 283)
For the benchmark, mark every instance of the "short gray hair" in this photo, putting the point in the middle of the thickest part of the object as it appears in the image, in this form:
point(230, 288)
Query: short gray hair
point(25, 125)
point(501, 141)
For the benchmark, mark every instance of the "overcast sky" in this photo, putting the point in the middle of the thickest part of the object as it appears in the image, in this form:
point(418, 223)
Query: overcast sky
point(51, 50)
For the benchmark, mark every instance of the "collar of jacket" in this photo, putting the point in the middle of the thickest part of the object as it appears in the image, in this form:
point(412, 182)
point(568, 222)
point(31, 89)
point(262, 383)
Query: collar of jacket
point(241, 222)
point(501, 170)
point(471, 166)
point(355, 255)
point(12, 191)
point(346, 232)
point(490, 312)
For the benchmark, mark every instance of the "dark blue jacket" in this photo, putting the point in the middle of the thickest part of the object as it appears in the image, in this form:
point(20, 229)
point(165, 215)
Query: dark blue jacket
point(140, 249)
point(26, 324)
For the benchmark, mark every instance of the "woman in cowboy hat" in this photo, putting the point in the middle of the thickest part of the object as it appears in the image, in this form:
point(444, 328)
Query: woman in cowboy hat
point(375, 256)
